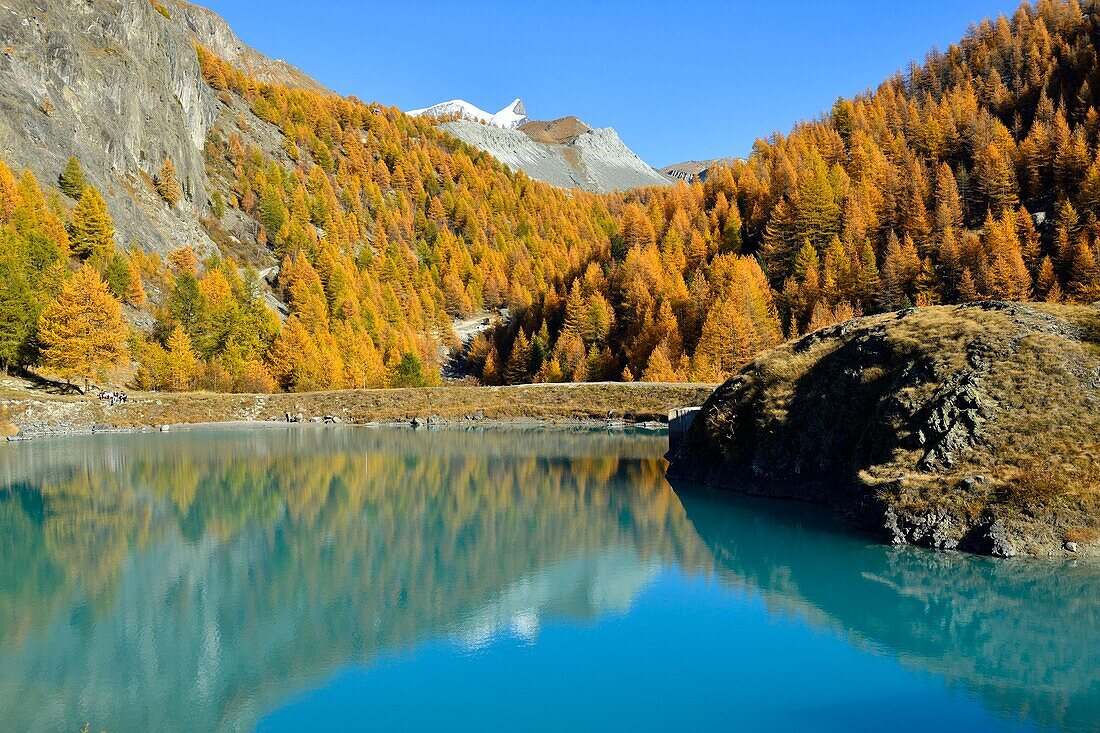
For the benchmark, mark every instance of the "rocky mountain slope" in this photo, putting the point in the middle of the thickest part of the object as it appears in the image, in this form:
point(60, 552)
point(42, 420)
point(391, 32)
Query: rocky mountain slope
point(694, 170)
point(211, 30)
point(117, 84)
point(971, 427)
point(566, 153)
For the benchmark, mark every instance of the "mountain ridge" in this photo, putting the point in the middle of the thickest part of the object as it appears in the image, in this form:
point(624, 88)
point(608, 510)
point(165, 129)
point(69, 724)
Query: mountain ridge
point(511, 116)
point(565, 152)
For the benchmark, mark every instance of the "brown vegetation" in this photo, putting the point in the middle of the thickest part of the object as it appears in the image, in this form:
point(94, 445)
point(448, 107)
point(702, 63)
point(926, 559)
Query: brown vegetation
point(936, 422)
point(37, 412)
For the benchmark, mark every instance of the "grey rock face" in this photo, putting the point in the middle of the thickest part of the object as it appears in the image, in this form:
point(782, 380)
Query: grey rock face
point(211, 30)
point(695, 170)
point(999, 543)
point(596, 160)
point(953, 421)
point(118, 85)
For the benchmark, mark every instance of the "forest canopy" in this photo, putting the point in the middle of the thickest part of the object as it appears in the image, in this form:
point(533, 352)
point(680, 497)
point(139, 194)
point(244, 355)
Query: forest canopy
point(974, 174)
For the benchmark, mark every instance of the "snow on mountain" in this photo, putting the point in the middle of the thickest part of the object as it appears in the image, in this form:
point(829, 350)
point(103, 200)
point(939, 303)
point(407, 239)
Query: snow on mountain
point(508, 118)
point(565, 152)
point(511, 117)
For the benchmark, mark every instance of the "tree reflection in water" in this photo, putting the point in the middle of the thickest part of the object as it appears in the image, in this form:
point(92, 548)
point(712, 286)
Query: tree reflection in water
point(193, 581)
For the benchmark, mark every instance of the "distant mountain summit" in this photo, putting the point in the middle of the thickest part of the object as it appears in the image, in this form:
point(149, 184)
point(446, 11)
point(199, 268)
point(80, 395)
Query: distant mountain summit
point(509, 118)
point(564, 152)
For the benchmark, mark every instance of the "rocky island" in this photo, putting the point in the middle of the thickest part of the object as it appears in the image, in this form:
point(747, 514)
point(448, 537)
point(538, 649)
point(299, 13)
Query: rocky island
point(970, 427)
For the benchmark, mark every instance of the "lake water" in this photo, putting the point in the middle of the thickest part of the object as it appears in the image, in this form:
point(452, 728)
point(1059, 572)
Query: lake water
point(383, 579)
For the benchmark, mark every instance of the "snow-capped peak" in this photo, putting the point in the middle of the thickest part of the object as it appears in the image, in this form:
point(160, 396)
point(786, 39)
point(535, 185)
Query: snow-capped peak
point(508, 118)
point(512, 116)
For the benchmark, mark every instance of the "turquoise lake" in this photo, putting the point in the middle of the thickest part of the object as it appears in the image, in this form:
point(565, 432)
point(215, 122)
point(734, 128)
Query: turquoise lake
point(347, 579)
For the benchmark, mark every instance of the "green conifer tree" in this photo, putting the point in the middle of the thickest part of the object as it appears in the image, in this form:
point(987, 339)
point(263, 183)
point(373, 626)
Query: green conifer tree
point(71, 181)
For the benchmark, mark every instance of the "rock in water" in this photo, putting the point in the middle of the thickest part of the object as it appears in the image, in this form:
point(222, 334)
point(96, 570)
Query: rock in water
point(972, 427)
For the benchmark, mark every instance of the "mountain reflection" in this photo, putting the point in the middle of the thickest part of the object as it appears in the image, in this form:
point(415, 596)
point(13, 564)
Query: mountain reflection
point(1023, 634)
point(195, 581)
point(192, 581)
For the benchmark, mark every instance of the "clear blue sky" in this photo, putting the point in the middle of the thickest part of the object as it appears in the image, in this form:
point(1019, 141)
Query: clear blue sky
point(678, 80)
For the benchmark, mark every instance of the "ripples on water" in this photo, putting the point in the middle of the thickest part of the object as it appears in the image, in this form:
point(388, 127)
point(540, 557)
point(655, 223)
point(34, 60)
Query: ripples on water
point(341, 579)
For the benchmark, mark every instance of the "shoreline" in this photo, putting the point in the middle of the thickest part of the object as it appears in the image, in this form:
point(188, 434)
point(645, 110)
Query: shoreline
point(520, 423)
point(31, 414)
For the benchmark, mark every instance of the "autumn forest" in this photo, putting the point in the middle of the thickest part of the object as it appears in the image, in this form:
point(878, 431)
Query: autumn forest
point(975, 174)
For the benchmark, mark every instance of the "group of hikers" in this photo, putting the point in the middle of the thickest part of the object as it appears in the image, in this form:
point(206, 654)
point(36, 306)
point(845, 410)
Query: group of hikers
point(113, 397)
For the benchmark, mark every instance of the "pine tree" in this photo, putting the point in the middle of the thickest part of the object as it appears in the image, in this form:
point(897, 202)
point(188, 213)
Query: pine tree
point(490, 372)
point(805, 261)
point(82, 332)
point(91, 230)
point(184, 261)
point(928, 287)
point(408, 372)
point(17, 311)
point(1090, 188)
point(968, 291)
point(949, 211)
point(135, 292)
point(71, 181)
point(519, 360)
point(168, 183)
point(868, 281)
point(1007, 276)
point(731, 231)
point(1029, 240)
point(818, 213)
point(1084, 277)
point(1046, 285)
point(181, 364)
point(996, 178)
point(116, 273)
point(659, 367)
point(295, 359)
point(185, 303)
point(9, 193)
point(724, 344)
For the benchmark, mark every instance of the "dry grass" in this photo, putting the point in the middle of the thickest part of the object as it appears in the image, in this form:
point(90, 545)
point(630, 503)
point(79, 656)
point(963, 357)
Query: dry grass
point(861, 400)
point(1081, 535)
point(7, 429)
point(551, 402)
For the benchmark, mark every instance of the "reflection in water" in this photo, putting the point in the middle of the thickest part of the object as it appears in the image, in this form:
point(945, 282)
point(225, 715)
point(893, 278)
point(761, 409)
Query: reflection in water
point(1025, 635)
point(149, 580)
point(195, 581)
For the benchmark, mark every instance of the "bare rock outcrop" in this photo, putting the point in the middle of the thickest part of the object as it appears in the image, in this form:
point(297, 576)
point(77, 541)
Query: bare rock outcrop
point(211, 30)
point(566, 153)
point(974, 427)
point(117, 84)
